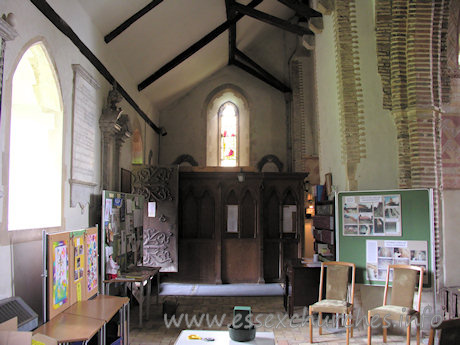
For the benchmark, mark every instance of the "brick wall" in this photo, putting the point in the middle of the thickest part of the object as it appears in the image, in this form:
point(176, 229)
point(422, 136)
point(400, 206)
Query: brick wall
point(414, 56)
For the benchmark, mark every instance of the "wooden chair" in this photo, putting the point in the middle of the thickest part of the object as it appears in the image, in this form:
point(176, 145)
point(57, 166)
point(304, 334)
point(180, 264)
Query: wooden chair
point(448, 332)
point(402, 300)
point(336, 301)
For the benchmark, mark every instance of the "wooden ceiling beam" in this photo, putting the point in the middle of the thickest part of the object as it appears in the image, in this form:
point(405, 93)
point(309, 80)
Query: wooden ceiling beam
point(127, 23)
point(301, 9)
point(65, 28)
point(193, 48)
point(270, 80)
point(280, 85)
point(269, 19)
point(231, 13)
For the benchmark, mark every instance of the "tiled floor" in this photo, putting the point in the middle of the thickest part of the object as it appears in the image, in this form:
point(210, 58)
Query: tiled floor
point(216, 313)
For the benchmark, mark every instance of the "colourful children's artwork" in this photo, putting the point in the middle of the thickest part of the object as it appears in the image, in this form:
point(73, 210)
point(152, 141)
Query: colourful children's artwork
point(91, 245)
point(60, 274)
point(79, 258)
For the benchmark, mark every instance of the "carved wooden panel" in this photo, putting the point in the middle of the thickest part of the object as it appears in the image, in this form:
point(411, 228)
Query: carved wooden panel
point(248, 216)
point(207, 216)
point(272, 216)
point(210, 254)
point(159, 185)
point(240, 260)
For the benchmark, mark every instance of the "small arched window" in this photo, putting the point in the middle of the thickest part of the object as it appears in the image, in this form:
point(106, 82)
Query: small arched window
point(35, 158)
point(228, 123)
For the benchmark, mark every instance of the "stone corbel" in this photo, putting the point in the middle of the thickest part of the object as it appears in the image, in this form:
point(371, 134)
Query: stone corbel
point(315, 24)
point(308, 41)
point(7, 31)
point(324, 7)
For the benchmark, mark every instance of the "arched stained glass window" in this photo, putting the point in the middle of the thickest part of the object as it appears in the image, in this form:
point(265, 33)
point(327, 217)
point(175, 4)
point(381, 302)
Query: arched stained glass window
point(228, 120)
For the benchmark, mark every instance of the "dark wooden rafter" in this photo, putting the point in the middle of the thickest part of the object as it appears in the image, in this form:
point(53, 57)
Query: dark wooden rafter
point(261, 71)
point(231, 13)
point(127, 23)
point(301, 9)
point(264, 76)
point(269, 19)
point(62, 26)
point(193, 48)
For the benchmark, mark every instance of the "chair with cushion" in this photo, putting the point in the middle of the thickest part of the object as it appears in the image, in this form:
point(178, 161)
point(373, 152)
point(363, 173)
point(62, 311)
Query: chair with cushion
point(401, 307)
point(447, 333)
point(336, 301)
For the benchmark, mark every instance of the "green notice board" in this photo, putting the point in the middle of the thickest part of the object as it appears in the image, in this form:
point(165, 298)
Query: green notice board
point(376, 228)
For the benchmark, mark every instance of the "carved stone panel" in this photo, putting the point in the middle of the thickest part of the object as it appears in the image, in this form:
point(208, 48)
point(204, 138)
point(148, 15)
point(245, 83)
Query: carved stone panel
point(159, 185)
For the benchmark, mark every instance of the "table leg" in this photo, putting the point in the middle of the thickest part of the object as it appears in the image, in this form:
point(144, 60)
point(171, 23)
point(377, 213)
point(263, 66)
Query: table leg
point(104, 334)
point(141, 302)
point(158, 285)
point(149, 291)
point(127, 328)
point(122, 323)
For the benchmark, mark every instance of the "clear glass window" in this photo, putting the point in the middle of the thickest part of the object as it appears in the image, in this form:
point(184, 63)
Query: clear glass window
point(35, 160)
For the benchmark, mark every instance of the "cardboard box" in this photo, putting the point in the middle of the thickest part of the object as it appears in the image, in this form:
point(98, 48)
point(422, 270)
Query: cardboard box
point(40, 339)
point(9, 335)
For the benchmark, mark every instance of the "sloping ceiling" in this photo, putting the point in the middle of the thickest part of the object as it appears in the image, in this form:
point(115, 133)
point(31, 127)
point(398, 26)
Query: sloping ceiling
point(165, 32)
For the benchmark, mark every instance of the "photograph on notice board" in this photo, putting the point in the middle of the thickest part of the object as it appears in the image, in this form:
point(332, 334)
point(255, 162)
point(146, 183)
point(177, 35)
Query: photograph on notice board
point(79, 258)
point(372, 215)
point(381, 253)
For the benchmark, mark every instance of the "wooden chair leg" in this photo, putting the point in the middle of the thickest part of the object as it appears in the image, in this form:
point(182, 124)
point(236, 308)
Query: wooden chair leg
point(418, 329)
point(431, 338)
point(348, 328)
point(351, 326)
point(408, 333)
point(320, 323)
point(368, 328)
point(384, 331)
point(310, 313)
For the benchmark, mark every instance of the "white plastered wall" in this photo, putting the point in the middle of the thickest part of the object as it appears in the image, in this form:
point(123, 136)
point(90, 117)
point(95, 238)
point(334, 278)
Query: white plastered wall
point(186, 118)
point(378, 170)
point(32, 26)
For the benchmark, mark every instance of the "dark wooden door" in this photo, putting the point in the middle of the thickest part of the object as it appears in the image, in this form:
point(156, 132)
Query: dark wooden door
point(241, 244)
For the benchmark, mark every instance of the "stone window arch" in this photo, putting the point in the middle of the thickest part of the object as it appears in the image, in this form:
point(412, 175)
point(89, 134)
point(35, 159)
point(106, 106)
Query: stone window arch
point(227, 94)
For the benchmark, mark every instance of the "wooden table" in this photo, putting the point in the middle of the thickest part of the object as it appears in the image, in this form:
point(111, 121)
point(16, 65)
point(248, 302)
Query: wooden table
point(67, 328)
point(301, 285)
point(139, 274)
point(104, 307)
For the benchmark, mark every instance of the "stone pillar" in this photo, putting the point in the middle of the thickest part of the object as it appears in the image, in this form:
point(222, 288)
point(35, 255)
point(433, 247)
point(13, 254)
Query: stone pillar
point(120, 137)
point(412, 34)
point(109, 128)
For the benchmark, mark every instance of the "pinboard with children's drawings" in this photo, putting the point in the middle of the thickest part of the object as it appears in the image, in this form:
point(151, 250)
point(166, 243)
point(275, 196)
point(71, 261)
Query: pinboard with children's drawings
point(122, 228)
point(59, 267)
point(91, 262)
point(377, 228)
point(72, 268)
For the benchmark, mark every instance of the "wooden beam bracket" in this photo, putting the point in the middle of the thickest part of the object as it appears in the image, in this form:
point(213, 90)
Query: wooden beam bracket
point(269, 19)
point(301, 9)
point(263, 76)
